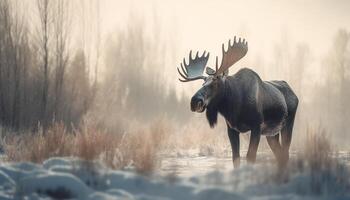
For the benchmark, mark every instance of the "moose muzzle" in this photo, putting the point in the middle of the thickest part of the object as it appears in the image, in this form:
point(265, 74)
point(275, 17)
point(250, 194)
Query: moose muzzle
point(197, 103)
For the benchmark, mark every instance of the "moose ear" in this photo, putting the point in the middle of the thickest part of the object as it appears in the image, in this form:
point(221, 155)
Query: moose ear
point(209, 71)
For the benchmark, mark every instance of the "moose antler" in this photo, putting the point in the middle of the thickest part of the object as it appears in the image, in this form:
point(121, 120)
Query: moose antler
point(234, 53)
point(194, 69)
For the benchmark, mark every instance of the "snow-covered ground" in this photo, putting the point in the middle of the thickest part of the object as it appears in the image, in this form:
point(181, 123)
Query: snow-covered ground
point(184, 177)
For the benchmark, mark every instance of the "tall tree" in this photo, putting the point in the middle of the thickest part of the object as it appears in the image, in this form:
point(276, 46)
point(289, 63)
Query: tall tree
point(14, 42)
point(61, 29)
point(4, 30)
point(341, 66)
point(337, 67)
point(44, 11)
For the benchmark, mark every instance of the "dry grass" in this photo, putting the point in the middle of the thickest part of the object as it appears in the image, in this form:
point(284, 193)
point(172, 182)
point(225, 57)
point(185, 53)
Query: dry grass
point(135, 148)
point(38, 146)
point(140, 147)
point(317, 150)
point(91, 142)
point(327, 173)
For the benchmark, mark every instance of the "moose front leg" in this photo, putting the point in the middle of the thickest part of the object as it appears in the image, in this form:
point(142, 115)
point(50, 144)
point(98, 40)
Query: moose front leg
point(234, 140)
point(253, 145)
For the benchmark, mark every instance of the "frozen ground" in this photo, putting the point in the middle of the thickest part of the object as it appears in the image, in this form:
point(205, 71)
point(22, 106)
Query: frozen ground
point(197, 163)
point(180, 177)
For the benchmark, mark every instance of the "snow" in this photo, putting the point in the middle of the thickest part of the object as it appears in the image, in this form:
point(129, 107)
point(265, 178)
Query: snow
point(73, 178)
point(54, 182)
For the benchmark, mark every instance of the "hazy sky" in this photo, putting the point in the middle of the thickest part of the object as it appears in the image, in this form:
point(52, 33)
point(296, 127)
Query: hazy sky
point(205, 24)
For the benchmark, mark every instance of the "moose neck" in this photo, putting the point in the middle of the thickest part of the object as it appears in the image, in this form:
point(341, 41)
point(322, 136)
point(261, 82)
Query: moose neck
point(224, 103)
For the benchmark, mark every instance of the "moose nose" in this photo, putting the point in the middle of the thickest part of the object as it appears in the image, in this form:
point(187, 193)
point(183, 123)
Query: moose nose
point(196, 103)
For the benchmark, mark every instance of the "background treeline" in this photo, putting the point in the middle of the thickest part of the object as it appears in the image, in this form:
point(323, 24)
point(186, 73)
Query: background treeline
point(55, 66)
point(45, 77)
point(41, 78)
point(322, 83)
point(332, 98)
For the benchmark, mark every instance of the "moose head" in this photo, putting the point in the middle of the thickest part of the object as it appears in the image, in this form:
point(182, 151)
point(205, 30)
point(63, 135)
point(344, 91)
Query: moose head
point(214, 81)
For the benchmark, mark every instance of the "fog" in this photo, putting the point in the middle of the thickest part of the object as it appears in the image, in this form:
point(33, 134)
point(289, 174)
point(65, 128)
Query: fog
point(115, 61)
point(206, 24)
point(301, 42)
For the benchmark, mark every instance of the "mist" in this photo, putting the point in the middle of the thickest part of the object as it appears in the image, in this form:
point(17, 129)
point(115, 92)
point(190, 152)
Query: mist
point(114, 62)
point(302, 42)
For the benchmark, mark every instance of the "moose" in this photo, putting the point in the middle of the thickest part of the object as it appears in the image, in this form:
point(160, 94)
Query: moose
point(246, 102)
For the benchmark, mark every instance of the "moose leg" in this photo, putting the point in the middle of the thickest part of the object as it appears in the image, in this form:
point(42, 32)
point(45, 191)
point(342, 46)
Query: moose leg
point(234, 140)
point(286, 134)
point(253, 145)
point(275, 146)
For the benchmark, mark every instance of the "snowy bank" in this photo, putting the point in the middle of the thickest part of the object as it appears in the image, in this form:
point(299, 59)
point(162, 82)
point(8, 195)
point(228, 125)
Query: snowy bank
point(63, 178)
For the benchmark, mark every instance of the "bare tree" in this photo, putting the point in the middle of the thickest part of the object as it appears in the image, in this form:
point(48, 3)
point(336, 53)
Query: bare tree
point(338, 67)
point(44, 11)
point(61, 29)
point(4, 23)
point(98, 40)
point(13, 39)
point(97, 48)
point(28, 63)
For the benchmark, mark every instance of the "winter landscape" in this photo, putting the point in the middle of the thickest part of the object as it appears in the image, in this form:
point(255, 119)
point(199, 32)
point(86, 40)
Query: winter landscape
point(199, 177)
point(102, 99)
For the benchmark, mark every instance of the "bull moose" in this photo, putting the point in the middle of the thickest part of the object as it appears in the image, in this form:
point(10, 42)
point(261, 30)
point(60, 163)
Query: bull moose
point(245, 101)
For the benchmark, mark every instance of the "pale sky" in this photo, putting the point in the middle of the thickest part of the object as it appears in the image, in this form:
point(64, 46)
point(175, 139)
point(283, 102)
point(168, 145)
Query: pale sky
point(205, 24)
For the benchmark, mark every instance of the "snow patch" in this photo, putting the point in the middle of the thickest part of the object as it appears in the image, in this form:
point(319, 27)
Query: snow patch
point(63, 178)
point(55, 185)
